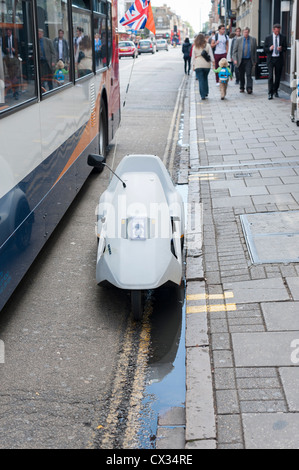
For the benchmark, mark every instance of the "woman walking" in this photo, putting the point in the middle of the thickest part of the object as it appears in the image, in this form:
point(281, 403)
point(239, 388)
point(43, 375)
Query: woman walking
point(186, 48)
point(202, 60)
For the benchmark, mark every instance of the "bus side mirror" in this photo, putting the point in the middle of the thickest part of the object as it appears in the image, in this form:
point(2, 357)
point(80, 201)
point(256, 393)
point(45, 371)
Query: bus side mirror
point(96, 161)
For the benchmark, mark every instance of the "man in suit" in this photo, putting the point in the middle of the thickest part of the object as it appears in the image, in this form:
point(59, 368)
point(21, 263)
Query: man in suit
point(275, 46)
point(235, 68)
point(47, 59)
point(244, 57)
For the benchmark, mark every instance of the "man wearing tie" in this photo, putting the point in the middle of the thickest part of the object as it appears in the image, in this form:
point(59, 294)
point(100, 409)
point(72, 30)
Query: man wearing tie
point(275, 46)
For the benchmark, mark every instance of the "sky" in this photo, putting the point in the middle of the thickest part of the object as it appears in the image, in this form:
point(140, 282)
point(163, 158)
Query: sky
point(195, 12)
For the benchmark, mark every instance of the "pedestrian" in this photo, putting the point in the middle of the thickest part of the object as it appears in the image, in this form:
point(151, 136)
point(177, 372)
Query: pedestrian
point(186, 49)
point(202, 60)
point(235, 69)
point(229, 55)
point(61, 47)
point(275, 47)
point(244, 56)
point(220, 47)
point(224, 74)
point(47, 60)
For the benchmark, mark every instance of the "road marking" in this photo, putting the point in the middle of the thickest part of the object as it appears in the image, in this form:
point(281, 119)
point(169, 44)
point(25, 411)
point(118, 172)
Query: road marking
point(110, 427)
point(211, 308)
point(109, 431)
point(133, 418)
point(174, 127)
point(226, 295)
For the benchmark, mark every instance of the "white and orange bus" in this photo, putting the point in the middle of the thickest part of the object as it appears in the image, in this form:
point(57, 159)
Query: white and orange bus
point(59, 102)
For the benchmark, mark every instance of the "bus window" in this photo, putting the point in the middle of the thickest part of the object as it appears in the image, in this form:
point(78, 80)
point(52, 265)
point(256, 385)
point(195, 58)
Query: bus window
point(100, 6)
point(100, 41)
point(85, 4)
point(17, 65)
point(82, 43)
point(53, 36)
point(109, 32)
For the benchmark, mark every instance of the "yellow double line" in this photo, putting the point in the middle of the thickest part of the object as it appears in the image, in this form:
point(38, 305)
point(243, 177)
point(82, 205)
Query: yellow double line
point(204, 308)
point(109, 430)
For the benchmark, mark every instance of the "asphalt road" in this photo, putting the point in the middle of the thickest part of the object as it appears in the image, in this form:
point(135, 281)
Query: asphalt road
point(75, 361)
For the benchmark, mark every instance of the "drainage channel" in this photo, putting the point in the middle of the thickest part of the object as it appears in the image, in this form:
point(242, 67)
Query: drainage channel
point(163, 401)
point(163, 406)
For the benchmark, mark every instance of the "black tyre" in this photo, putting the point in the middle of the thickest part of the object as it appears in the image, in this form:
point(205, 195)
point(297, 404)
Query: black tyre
point(103, 135)
point(136, 304)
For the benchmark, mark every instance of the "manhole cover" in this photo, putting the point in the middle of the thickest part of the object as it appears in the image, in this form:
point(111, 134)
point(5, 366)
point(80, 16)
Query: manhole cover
point(272, 237)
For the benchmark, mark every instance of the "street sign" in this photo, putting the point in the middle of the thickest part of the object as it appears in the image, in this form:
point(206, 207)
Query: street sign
point(261, 68)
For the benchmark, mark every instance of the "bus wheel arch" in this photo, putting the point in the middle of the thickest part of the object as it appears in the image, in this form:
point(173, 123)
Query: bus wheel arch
point(103, 126)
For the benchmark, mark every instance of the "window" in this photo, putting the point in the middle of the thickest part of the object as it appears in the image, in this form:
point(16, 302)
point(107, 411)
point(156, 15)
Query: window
point(17, 65)
point(100, 40)
point(82, 43)
point(109, 32)
point(53, 47)
point(99, 6)
point(102, 27)
point(84, 4)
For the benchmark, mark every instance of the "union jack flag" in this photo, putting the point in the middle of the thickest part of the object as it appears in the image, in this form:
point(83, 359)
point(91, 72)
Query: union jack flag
point(137, 15)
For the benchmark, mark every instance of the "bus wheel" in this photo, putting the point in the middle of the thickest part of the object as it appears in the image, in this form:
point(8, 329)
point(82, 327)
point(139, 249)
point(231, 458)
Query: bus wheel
point(103, 135)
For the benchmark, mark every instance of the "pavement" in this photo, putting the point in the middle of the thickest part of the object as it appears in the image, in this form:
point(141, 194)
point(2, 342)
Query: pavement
point(240, 159)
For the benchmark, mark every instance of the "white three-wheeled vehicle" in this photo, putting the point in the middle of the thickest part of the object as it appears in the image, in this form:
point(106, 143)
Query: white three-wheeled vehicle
point(140, 228)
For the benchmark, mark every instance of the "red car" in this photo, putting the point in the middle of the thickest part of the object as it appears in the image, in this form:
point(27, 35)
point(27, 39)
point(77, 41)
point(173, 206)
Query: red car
point(127, 49)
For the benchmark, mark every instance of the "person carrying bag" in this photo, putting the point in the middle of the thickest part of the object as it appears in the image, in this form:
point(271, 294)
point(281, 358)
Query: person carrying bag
point(202, 60)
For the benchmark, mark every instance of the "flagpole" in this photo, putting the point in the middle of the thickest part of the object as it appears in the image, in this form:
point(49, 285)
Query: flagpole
point(200, 25)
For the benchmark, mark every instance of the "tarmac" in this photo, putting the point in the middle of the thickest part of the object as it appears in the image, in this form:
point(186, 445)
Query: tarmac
point(240, 159)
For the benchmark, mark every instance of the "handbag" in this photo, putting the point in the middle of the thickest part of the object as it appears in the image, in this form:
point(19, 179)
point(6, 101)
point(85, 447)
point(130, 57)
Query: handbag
point(206, 56)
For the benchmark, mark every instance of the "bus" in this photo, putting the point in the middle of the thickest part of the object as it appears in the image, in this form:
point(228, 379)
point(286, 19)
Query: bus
point(59, 102)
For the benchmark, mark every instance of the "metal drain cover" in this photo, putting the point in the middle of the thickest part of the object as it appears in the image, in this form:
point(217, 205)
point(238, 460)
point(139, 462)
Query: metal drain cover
point(272, 237)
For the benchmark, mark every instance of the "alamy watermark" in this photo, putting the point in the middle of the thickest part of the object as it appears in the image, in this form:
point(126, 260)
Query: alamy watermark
point(2, 352)
point(161, 220)
point(295, 92)
point(295, 353)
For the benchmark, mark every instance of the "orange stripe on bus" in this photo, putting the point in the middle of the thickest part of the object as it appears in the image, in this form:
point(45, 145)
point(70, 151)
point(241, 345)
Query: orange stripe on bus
point(88, 135)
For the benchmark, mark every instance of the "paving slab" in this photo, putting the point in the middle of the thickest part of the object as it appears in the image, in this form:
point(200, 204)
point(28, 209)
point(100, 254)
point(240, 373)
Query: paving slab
point(293, 283)
point(264, 349)
point(200, 417)
point(170, 438)
point(281, 316)
point(290, 382)
point(196, 330)
point(271, 430)
point(202, 444)
point(194, 270)
point(261, 290)
point(272, 237)
point(175, 416)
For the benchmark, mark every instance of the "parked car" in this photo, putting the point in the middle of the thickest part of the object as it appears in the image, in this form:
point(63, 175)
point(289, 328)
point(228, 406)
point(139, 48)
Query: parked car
point(146, 45)
point(162, 45)
point(127, 49)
